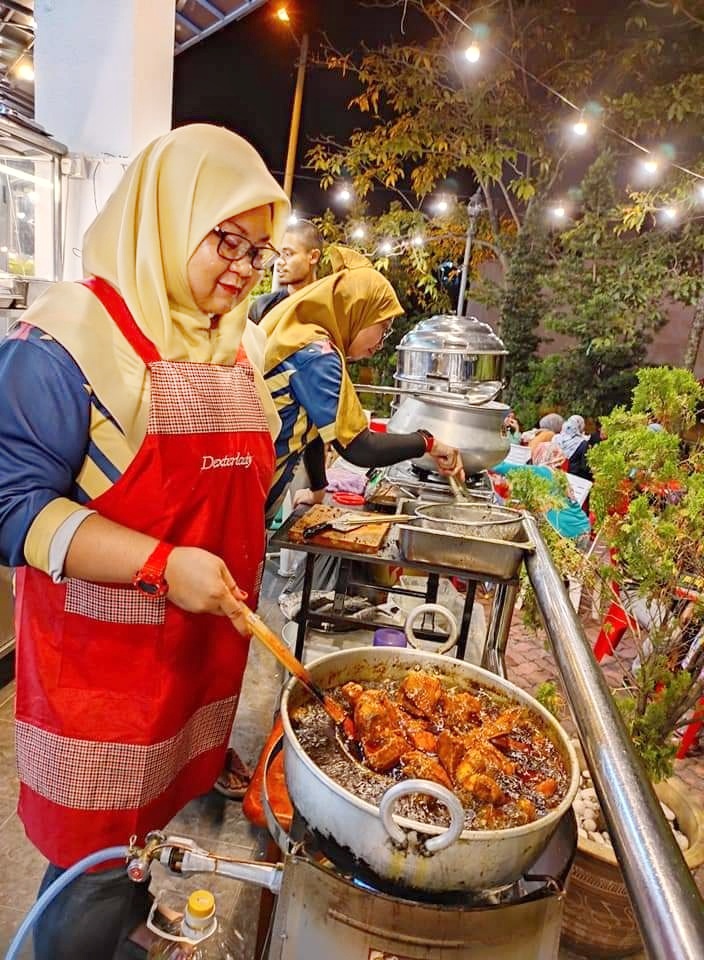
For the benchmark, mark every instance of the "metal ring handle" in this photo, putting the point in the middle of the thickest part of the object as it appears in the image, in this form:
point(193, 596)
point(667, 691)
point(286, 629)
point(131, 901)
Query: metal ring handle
point(402, 789)
point(431, 608)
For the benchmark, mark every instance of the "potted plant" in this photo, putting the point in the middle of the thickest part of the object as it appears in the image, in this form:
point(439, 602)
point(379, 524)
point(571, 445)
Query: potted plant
point(647, 571)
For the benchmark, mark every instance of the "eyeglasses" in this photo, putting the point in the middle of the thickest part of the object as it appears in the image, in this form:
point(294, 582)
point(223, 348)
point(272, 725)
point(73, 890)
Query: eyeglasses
point(233, 246)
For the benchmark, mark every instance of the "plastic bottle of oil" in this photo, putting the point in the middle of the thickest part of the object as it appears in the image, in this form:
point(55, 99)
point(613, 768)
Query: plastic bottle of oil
point(198, 936)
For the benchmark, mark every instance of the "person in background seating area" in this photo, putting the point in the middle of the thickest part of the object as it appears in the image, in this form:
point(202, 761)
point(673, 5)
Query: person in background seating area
point(296, 266)
point(575, 443)
point(512, 428)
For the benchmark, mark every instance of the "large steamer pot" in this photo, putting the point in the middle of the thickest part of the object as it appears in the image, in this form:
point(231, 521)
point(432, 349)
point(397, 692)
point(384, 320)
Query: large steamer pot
point(452, 353)
point(474, 429)
point(479, 860)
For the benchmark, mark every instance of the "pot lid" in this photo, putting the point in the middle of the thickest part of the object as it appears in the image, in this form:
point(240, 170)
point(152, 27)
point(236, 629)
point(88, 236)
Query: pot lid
point(449, 333)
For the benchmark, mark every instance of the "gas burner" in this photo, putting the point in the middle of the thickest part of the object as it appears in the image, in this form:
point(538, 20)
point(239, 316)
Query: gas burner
point(428, 476)
point(341, 862)
point(424, 482)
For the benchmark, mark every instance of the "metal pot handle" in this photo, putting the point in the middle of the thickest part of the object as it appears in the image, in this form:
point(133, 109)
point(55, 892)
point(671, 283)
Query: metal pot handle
point(431, 608)
point(402, 789)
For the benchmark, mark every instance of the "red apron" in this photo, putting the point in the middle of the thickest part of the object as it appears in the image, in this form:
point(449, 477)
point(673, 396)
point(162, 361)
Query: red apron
point(125, 703)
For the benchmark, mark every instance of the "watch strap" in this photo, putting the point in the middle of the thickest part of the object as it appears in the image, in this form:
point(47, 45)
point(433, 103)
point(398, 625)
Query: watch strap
point(151, 573)
point(429, 440)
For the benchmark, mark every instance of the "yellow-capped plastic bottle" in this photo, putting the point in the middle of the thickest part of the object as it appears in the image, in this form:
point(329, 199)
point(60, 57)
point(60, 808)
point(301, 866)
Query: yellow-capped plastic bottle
point(198, 936)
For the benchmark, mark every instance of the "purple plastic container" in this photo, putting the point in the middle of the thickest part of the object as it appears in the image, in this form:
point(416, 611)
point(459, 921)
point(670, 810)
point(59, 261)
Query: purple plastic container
point(388, 637)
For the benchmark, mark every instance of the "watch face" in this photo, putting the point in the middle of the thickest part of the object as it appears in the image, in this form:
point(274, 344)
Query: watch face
point(151, 588)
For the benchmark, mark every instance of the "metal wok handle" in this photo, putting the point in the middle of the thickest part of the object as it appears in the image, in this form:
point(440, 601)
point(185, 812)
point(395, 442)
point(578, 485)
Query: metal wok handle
point(402, 789)
point(431, 608)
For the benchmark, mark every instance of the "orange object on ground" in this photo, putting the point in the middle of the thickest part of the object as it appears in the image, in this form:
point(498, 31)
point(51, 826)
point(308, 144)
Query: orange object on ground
point(252, 805)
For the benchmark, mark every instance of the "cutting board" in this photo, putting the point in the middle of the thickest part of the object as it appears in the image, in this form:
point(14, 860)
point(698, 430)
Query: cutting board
point(366, 539)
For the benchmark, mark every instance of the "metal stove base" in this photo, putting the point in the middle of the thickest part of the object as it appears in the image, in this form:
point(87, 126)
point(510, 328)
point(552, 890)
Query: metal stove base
point(323, 914)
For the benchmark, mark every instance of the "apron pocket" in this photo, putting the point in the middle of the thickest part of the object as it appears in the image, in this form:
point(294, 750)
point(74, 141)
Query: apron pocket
point(113, 604)
point(112, 642)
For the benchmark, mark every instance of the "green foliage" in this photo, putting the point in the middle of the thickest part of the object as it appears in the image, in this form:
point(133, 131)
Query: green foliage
point(670, 395)
point(550, 697)
point(648, 496)
point(427, 117)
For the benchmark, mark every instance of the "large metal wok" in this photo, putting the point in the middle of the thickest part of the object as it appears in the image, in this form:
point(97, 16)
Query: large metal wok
point(414, 854)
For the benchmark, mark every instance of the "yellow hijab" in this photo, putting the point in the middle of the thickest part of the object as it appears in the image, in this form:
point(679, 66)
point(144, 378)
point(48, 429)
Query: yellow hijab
point(338, 307)
point(172, 194)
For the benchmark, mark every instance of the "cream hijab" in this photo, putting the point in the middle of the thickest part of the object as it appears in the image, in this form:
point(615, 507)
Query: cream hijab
point(174, 192)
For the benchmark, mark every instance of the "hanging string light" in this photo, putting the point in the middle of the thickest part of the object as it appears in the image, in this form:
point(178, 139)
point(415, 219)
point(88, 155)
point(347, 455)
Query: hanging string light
point(560, 96)
point(473, 53)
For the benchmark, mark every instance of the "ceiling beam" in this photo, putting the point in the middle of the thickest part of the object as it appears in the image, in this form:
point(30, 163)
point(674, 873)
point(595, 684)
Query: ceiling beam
point(240, 11)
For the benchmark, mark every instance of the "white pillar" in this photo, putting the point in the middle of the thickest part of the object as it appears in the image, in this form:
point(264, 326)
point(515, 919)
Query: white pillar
point(103, 86)
point(104, 72)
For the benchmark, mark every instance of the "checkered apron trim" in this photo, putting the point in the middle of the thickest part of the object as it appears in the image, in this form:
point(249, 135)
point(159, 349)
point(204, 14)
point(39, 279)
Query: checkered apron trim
point(195, 398)
point(113, 604)
point(94, 775)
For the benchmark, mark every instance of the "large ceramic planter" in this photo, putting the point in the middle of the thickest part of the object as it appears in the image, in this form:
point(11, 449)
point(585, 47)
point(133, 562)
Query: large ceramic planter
point(598, 918)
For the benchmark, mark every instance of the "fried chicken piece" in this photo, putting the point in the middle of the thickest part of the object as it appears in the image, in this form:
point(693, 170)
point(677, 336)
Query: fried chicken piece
point(379, 731)
point(351, 692)
point(546, 788)
point(483, 787)
point(503, 724)
point(527, 809)
point(450, 749)
point(460, 710)
point(419, 693)
point(415, 763)
point(418, 732)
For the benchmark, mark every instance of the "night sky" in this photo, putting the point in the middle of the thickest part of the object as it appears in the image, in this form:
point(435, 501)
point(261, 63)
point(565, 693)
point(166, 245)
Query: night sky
point(244, 77)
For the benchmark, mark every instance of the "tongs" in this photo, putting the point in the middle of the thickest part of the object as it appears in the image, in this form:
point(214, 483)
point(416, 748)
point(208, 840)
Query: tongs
point(460, 490)
point(352, 521)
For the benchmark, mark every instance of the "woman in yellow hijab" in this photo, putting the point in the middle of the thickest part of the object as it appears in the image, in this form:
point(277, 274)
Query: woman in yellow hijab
point(345, 316)
point(135, 457)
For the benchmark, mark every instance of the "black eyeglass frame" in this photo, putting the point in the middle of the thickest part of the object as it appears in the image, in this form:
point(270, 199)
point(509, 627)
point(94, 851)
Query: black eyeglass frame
point(252, 251)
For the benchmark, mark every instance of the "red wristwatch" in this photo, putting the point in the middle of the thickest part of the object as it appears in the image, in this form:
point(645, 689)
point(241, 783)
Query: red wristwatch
point(429, 440)
point(150, 579)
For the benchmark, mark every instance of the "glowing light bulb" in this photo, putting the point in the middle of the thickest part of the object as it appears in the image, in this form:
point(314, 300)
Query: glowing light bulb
point(359, 233)
point(282, 14)
point(344, 195)
point(670, 213)
point(559, 213)
point(25, 71)
point(293, 218)
point(580, 128)
point(700, 191)
point(442, 206)
point(473, 52)
point(418, 241)
point(650, 166)
point(386, 247)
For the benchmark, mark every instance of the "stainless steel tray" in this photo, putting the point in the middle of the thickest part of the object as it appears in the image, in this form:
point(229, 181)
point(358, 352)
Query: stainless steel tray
point(496, 559)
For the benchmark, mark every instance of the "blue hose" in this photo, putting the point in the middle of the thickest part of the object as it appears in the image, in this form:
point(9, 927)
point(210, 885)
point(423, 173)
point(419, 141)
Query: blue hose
point(51, 892)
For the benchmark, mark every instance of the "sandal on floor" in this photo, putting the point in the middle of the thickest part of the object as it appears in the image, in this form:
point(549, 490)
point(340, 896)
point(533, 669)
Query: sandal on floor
point(234, 777)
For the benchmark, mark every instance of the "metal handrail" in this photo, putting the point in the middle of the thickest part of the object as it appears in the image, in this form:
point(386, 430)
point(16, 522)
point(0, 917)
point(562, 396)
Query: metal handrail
point(665, 899)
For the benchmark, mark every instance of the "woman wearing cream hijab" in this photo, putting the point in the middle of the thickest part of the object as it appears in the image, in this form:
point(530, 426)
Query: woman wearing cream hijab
point(135, 458)
point(310, 335)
